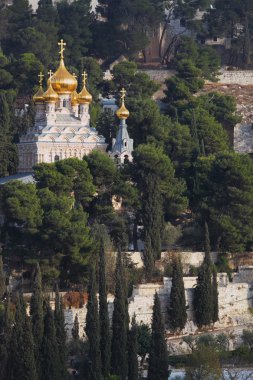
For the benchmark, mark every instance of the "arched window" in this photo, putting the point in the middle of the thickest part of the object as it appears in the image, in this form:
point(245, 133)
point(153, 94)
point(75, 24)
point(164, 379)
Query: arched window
point(116, 159)
point(64, 103)
point(56, 158)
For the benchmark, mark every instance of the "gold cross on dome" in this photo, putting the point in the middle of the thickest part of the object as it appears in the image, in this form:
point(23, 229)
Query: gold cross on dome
point(85, 76)
point(62, 44)
point(41, 76)
point(50, 73)
point(123, 94)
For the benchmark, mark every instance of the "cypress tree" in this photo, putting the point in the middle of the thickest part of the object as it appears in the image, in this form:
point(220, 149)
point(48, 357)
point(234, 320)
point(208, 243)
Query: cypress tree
point(148, 258)
point(92, 330)
point(75, 329)
point(177, 308)
point(28, 359)
point(2, 279)
point(21, 356)
point(37, 317)
point(15, 365)
point(60, 331)
point(50, 355)
point(5, 337)
point(119, 324)
point(158, 360)
point(203, 293)
point(215, 296)
point(105, 339)
point(133, 352)
point(152, 211)
point(207, 245)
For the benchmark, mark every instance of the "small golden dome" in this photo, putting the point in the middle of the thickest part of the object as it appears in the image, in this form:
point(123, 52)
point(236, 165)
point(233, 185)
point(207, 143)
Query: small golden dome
point(62, 81)
point(123, 112)
point(74, 98)
point(84, 97)
point(50, 96)
point(39, 96)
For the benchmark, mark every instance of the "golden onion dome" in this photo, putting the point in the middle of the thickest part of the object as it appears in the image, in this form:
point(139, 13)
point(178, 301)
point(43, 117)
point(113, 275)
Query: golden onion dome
point(50, 96)
point(62, 81)
point(123, 112)
point(39, 96)
point(74, 98)
point(84, 97)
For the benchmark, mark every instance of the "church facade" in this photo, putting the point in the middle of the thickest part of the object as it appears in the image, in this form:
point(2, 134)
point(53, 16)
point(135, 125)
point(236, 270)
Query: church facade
point(62, 123)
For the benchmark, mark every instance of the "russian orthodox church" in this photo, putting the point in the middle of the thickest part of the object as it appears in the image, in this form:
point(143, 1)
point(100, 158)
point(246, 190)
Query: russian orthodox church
point(62, 123)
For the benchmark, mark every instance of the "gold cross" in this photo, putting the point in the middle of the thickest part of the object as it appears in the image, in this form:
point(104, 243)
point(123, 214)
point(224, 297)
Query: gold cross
point(85, 76)
point(41, 76)
point(123, 94)
point(50, 73)
point(62, 44)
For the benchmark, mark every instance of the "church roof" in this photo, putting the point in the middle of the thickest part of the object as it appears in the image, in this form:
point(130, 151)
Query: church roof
point(23, 177)
point(122, 140)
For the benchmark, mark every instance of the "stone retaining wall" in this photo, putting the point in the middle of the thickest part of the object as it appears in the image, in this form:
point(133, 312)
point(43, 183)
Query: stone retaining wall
point(234, 301)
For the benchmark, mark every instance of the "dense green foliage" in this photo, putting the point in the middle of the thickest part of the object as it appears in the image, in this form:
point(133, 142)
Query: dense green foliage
point(92, 330)
point(158, 360)
point(119, 359)
point(177, 308)
point(133, 351)
point(104, 323)
point(183, 169)
point(206, 291)
point(37, 318)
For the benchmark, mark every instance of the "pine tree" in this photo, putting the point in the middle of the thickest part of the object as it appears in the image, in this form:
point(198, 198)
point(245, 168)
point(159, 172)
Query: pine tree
point(177, 309)
point(60, 331)
point(92, 330)
point(37, 317)
point(158, 360)
point(203, 293)
point(46, 11)
point(50, 355)
point(133, 351)
point(119, 324)
point(75, 329)
point(215, 299)
point(105, 339)
point(2, 279)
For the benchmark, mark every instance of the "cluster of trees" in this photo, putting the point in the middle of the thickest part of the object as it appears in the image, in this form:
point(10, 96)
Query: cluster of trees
point(116, 352)
point(197, 169)
point(232, 20)
point(33, 346)
point(205, 300)
point(209, 357)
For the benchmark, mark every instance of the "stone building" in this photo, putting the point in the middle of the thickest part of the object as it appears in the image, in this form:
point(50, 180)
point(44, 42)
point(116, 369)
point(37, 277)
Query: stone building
point(62, 123)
